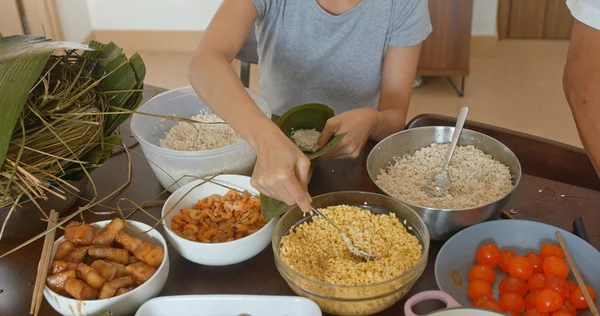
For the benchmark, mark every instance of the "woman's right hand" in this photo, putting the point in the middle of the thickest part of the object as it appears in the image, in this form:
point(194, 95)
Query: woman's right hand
point(281, 170)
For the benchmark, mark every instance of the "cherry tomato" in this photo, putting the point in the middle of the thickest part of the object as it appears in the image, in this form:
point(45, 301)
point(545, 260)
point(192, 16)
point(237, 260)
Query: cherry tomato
point(536, 261)
point(557, 266)
point(548, 301)
point(562, 313)
point(536, 282)
point(511, 313)
point(534, 312)
point(568, 307)
point(488, 255)
point(487, 302)
point(577, 298)
point(548, 250)
point(520, 267)
point(481, 272)
point(558, 284)
point(513, 285)
point(572, 286)
point(511, 302)
point(530, 300)
point(505, 255)
point(479, 288)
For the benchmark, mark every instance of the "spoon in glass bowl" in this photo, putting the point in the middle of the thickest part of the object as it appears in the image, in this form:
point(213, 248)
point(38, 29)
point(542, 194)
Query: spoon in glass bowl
point(353, 249)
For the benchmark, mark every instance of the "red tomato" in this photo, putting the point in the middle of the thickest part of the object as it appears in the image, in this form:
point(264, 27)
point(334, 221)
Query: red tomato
point(511, 313)
point(481, 272)
point(511, 302)
point(520, 267)
point(572, 286)
point(513, 285)
point(548, 250)
point(487, 302)
point(577, 299)
point(536, 261)
point(479, 288)
point(562, 313)
point(530, 300)
point(536, 282)
point(505, 255)
point(488, 255)
point(568, 307)
point(548, 301)
point(558, 284)
point(557, 266)
point(534, 312)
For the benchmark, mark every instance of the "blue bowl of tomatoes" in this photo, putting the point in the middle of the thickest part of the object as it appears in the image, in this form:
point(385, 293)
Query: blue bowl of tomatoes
point(517, 267)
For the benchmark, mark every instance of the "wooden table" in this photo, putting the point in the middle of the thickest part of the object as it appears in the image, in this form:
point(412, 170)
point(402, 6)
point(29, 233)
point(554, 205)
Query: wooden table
point(537, 198)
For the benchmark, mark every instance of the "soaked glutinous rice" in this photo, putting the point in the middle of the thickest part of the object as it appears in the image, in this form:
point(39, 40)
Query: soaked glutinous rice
point(198, 136)
point(316, 250)
point(306, 139)
point(476, 178)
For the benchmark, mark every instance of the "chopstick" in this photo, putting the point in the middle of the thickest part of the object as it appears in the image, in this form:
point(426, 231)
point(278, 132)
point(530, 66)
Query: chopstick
point(577, 275)
point(42, 272)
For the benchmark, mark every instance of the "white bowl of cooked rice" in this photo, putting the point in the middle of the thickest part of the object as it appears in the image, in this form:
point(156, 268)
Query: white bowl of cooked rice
point(483, 172)
point(314, 260)
point(210, 222)
point(180, 152)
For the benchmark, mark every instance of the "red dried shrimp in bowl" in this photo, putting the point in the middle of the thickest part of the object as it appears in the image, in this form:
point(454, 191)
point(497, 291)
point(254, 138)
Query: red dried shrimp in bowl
point(219, 218)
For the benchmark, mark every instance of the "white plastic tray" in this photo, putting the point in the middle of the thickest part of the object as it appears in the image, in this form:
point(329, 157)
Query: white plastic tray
point(229, 305)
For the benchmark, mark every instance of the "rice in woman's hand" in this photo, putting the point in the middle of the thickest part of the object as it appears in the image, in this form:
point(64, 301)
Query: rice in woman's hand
point(200, 136)
point(476, 178)
point(306, 139)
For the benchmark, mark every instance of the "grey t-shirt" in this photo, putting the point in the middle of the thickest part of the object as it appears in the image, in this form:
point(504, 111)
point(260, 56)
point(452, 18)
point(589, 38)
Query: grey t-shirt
point(307, 55)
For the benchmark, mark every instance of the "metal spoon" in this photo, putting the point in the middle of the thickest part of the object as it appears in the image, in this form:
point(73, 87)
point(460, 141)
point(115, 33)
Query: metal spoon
point(441, 182)
point(353, 249)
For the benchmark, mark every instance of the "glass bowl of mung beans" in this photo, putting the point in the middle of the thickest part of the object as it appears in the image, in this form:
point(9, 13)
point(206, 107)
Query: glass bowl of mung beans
point(314, 260)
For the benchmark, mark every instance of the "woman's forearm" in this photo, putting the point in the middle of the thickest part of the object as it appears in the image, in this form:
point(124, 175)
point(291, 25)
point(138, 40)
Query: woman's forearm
point(391, 118)
point(216, 82)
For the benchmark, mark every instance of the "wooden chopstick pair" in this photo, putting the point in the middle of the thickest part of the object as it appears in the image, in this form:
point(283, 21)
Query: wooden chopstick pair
point(42, 272)
point(577, 275)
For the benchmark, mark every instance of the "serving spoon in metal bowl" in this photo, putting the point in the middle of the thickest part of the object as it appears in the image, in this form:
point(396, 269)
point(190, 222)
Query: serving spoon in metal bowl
point(353, 249)
point(440, 184)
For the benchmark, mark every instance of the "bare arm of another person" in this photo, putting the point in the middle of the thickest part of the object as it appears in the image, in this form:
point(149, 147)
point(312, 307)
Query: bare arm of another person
point(399, 69)
point(281, 169)
point(581, 82)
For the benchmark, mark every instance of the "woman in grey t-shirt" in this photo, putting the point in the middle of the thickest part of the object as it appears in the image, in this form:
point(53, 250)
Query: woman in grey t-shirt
point(357, 56)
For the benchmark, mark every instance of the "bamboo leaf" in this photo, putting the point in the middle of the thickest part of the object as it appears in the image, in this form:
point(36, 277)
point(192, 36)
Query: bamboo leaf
point(95, 157)
point(327, 148)
point(307, 116)
point(22, 59)
point(272, 208)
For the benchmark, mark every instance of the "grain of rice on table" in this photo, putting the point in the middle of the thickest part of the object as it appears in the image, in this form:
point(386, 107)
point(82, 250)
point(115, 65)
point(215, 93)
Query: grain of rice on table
point(198, 136)
point(476, 178)
point(316, 250)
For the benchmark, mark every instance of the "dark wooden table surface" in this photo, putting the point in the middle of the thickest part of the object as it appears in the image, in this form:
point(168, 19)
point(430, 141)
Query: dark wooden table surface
point(537, 198)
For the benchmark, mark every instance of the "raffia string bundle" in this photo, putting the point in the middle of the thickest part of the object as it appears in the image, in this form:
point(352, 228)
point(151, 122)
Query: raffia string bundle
point(62, 110)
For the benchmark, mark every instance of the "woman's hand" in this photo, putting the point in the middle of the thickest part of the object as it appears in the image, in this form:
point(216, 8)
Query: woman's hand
point(358, 125)
point(281, 170)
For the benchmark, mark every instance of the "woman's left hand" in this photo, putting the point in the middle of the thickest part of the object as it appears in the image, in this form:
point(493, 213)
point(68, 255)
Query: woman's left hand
point(358, 125)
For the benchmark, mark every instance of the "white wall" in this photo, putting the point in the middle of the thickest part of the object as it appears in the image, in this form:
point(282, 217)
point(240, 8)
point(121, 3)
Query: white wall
point(75, 19)
point(484, 17)
point(163, 15)
point(194, 15)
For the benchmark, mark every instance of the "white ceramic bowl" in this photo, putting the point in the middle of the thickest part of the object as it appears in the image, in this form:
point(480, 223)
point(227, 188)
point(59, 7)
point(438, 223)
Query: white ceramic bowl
point(216, 254)
point(127, 303)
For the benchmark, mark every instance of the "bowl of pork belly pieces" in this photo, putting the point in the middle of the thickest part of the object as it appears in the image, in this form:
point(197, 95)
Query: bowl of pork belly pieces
point(112, 265)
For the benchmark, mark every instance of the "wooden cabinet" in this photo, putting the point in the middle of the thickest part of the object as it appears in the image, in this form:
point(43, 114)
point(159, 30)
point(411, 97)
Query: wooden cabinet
point(534, 19)
point(10, 20)
point(446, 51)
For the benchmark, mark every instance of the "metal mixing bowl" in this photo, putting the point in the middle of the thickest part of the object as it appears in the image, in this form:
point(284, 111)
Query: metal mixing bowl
point(353, 300)
point(443, 223)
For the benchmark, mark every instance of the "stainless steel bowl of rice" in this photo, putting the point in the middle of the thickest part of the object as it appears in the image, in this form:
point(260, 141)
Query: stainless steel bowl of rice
point(483, 171)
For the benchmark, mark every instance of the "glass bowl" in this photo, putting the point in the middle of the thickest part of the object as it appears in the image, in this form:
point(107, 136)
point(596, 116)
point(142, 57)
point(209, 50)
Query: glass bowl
point(353, 300)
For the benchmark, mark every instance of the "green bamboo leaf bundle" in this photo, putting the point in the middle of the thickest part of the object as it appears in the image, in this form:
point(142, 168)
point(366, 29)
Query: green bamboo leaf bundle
point(62, 110)
point(307, 116)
